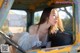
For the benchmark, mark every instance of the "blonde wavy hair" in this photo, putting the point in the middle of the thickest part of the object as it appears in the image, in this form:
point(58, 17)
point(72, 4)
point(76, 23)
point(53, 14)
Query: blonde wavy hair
point(58, 25)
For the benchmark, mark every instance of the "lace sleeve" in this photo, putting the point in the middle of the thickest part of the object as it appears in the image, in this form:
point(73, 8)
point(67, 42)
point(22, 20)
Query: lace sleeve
point(36, 41)
point(28, 41)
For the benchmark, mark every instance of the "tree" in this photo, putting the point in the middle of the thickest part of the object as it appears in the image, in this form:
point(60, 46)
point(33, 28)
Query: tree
point(36, 19)
point(67, 22)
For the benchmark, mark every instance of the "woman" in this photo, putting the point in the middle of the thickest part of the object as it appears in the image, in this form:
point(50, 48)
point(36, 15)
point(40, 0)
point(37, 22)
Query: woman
point(37, 35)
point(57, 36)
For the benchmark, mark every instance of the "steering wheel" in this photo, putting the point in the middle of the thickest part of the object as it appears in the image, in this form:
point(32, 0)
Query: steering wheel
point(11, 42)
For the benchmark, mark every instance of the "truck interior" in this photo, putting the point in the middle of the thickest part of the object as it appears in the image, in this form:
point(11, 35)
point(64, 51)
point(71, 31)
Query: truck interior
point(34, 9)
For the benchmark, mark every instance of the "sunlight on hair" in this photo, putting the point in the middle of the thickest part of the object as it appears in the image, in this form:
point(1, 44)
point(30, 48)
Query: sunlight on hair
point(58, 25)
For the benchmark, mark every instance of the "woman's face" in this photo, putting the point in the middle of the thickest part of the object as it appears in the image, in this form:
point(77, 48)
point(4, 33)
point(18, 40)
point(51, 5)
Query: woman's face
point(53, 17)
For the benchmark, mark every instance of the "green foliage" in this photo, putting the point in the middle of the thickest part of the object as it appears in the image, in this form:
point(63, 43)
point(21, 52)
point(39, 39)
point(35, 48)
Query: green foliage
point(36, 19)
point(67, 25)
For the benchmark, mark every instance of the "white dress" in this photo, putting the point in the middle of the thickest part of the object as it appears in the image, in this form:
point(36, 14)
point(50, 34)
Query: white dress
point(27, 41)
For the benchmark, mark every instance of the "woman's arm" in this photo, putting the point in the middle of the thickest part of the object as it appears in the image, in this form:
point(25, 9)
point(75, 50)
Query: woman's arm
point(12, 49)
point(32, 30)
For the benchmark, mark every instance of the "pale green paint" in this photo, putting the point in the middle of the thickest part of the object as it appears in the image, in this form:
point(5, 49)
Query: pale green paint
point(4, 11)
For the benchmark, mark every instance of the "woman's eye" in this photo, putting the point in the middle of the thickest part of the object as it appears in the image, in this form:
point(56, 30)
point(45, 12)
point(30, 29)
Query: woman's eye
point(53, 15)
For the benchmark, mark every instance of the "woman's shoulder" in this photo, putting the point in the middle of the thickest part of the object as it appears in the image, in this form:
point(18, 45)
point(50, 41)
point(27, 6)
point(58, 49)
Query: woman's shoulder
point(32, 29)
point(33, 26)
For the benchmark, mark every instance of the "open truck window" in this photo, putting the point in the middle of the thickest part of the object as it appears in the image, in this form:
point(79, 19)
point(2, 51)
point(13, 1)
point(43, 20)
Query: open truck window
point(15, 22)
point(37, 16)
point(66, 15)
point(65, 38)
